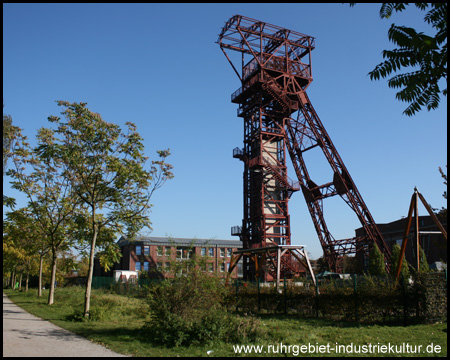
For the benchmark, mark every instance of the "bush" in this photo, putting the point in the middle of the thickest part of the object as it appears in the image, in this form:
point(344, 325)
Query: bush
point(190, 309)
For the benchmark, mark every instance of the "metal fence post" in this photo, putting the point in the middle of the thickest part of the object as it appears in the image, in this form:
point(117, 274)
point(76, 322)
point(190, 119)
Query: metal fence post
point(259, 296)
point(404, 299)
point(355, 288)
point(317, 298)
point(237, 291)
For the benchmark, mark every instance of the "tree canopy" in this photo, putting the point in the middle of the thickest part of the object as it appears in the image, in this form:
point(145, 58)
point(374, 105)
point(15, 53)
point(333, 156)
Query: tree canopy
point(107, 172)
point(51, 199)
point(425, 57)
point(376, 261)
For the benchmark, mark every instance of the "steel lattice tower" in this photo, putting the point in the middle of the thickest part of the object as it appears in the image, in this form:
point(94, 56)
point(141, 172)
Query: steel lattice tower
point(279, 119)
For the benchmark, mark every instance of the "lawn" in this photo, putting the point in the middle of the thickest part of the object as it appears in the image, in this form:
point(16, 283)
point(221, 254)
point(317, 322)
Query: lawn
point(119, 320)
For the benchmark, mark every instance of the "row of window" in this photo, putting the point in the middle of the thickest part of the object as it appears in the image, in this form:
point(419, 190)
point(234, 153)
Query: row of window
point(208, 267)
point(183, 252)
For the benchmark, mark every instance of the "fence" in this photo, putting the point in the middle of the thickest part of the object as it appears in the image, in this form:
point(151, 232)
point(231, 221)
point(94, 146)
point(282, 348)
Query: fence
point(360, 299)
point(132, 287)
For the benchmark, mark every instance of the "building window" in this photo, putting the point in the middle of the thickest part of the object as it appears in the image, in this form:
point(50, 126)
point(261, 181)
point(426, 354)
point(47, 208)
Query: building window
point(138, 266)
point(183, 253)
point(138, 250)
point(167, 251)
point(145, 265)
point(159, 251)
point(159, 265)
point(211, 251)
point(210, 267)
point(203, 252)
point(240, 270)
point(222, 252)
point(222, 267)
point(229, 252)
point(146, 250)
point(167, 267)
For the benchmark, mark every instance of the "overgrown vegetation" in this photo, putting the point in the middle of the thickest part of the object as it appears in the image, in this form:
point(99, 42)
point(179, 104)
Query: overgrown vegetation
point(120, 321)
point(86, 182)
point(191, 308)
point(366, 299)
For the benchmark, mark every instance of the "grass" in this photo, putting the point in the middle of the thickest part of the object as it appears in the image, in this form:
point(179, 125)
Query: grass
point(119, 320)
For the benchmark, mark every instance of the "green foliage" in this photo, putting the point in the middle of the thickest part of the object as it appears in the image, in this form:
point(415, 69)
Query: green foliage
point(322, 264)
point(423, 263)
point(191, 309)
point(427, 54)
point(395, 258)
point(376, 262)
point(9, 133)
point(443, 211)
point(51, 199)
point(123, 334)
point(364, 299)
point(106, 169)
point(431, 296)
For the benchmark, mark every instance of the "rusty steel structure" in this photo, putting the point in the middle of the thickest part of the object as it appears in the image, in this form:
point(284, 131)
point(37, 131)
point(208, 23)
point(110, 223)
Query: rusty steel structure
point(280, 122)
point(413, 207)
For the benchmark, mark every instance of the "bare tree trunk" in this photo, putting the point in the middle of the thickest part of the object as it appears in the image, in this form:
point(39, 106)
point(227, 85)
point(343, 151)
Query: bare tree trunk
point(41, 264)
point(87, 303)
point(26, 281)
point(20, 281)
point(13, 279)
point(52, 280)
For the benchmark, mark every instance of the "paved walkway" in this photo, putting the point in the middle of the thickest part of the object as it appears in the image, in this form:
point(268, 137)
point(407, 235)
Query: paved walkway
point(29, 336)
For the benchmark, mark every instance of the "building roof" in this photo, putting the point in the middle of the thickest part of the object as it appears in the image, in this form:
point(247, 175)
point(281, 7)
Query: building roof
point(398, 226)
point(149, 240)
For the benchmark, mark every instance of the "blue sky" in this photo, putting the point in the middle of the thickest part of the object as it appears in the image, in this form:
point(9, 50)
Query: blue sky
point(158, 65)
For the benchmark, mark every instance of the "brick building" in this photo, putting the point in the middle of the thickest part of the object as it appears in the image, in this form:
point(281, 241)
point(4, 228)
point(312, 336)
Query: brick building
point(155, 255)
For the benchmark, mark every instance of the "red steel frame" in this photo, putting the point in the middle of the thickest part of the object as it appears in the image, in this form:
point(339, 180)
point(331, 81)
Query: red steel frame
point(275, 72)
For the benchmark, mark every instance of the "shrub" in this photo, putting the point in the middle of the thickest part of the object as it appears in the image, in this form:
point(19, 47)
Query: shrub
point(190, 309)
point(376, 261)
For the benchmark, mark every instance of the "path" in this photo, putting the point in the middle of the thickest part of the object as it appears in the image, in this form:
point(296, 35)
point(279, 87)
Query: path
point(27, 335)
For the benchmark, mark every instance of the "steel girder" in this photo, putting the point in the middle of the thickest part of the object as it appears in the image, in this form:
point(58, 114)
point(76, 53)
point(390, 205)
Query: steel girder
point(276, 70)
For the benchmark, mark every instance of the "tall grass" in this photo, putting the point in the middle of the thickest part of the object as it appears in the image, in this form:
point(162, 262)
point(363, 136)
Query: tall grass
point(120, 321)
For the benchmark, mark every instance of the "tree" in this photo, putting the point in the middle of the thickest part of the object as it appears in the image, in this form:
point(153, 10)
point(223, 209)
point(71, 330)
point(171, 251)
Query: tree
point(395, 258)
point(376, 262)
point(423, 263)
point(8, 131)
point(105, 167)
point(443, 212)
point(52, 202)
point(9, 134)
point(349, 264)
point(429, 53)
point(24, 240)
point(322, 264)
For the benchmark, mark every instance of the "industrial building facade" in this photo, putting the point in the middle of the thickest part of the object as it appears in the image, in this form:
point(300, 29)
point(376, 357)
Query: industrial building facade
point(154, 255)
point(431, 240)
